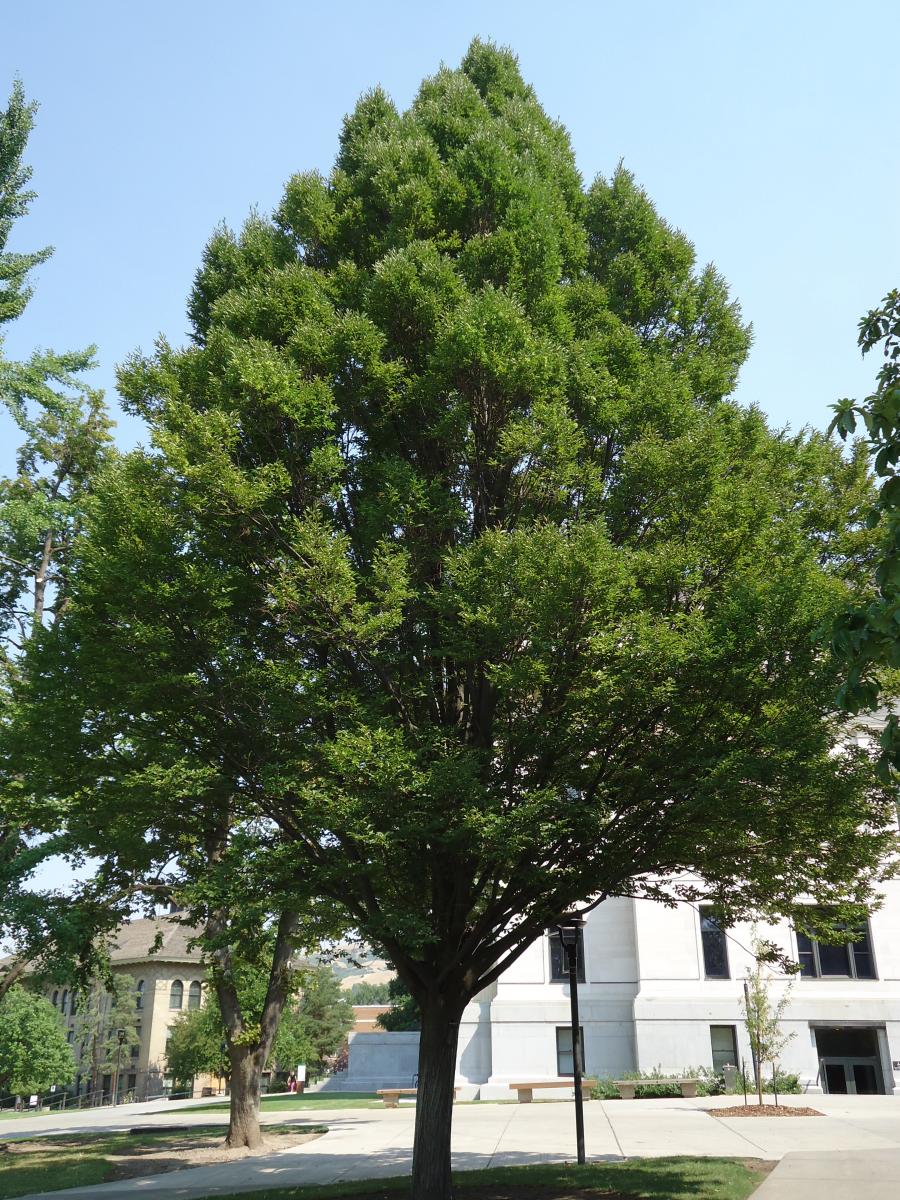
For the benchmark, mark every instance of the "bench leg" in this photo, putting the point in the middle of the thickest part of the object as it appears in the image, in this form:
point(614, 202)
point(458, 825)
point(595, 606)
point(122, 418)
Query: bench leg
point(689, 1089)
point(391, 1101)
point(627, 1093)
point(526, 1095)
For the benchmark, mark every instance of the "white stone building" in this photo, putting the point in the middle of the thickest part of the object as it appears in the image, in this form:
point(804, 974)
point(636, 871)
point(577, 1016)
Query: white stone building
point(662, 987)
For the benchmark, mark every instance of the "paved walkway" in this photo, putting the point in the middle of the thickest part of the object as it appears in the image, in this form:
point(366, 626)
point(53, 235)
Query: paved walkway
point(805, 1175)
point(368, 1143)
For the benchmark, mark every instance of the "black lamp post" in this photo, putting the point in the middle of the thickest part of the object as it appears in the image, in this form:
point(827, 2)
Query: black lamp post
point(120, 1036)
point(569, 928)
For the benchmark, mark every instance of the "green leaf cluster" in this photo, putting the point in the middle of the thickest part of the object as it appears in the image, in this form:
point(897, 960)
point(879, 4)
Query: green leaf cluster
point(313, 1027)
point(866, 633)
point(34, 1054)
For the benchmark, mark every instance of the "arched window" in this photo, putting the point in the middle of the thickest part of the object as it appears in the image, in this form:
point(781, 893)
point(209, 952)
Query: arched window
point(72, 1004)
point(194, 994)
point(139, 995)
point(56, 998)
point(176, 994)
point(65, 997)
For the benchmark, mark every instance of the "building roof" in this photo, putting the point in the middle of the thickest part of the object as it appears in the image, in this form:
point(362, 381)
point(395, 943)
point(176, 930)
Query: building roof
point(134, 942)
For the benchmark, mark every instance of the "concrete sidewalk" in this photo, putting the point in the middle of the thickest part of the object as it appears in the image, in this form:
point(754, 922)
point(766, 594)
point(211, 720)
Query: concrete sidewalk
point(372, 1143)
point(805, 1175)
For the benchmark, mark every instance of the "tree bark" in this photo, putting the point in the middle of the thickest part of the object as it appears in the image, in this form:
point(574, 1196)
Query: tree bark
point(243, 1117)
point(434, 1100)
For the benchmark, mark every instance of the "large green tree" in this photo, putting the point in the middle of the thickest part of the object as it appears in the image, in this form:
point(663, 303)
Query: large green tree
point(64, 431)
point(453, 546)
point(102, 1007)
point(34, 1053)
point(313, 1026)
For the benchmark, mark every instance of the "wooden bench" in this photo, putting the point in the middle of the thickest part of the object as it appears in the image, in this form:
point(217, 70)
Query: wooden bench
point(524, 1091)
point(391, 1096)
point(627, 1086)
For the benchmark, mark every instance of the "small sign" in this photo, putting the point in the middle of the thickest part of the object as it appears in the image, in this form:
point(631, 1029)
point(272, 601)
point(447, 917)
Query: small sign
point(896, 1064)
point(301, 1073)
point(33, 1102)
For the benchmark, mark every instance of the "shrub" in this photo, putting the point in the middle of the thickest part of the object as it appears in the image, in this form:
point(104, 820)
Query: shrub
point(658, 1083)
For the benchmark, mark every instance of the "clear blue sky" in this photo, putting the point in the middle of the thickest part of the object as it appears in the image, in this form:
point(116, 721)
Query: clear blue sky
point(767, 132)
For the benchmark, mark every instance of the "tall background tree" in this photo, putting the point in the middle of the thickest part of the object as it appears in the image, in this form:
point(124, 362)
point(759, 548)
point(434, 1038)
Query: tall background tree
point(65, 436)
point(866, 634)
point(452, 546)
point(34, 1053)
point(313, 1026)
point(103, 1007)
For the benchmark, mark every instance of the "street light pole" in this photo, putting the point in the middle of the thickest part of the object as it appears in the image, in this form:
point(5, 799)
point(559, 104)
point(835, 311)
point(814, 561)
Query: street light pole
point(120, 1036)
point(569, 932)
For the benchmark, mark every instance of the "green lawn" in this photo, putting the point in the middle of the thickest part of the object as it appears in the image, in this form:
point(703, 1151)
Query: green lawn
point(81, 1159)
point(311, 1100)
point(653, 1178)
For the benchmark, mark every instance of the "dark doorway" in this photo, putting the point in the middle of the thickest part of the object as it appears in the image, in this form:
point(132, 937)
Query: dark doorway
point(849, 1062)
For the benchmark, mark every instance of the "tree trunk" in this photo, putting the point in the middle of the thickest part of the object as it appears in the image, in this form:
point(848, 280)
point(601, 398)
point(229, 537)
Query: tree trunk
point(243, 1117)
point(434, 1101)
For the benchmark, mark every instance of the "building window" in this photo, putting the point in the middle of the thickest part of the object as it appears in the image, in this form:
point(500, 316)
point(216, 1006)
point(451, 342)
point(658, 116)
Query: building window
point(139, 995)
point(194, 995)
point(72, 1004)
point(65, 997)
point(55, 998)
point(724, 1046)
point(70, 1036)
point(849, 960)
point(715, 946)
point(565, 1064)
point(176, 994)
point(559, 967)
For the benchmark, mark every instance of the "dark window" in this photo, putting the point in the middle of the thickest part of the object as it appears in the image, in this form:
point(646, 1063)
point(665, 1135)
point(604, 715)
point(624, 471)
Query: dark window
point(847, 960)
point(559, 967)
point(194, 995)
point(564, 1060)
point(139, 995)
point(65, 997)
point(715, 949)
point(72, 1005)
point(55, 998)
point(724, 1046)
point(176, 994)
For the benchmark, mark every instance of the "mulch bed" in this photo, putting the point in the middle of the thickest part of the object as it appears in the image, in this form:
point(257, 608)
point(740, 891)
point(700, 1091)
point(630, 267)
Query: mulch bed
point(764, 1110)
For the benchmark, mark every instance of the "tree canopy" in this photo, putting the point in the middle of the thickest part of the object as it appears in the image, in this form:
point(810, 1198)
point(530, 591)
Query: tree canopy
point(865, 635)
point(65, 436)
point(454, 572)
point(34, 1054)
point(313, 1026)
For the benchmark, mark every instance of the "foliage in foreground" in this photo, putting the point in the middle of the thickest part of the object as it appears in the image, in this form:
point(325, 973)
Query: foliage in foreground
point(866, 635)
